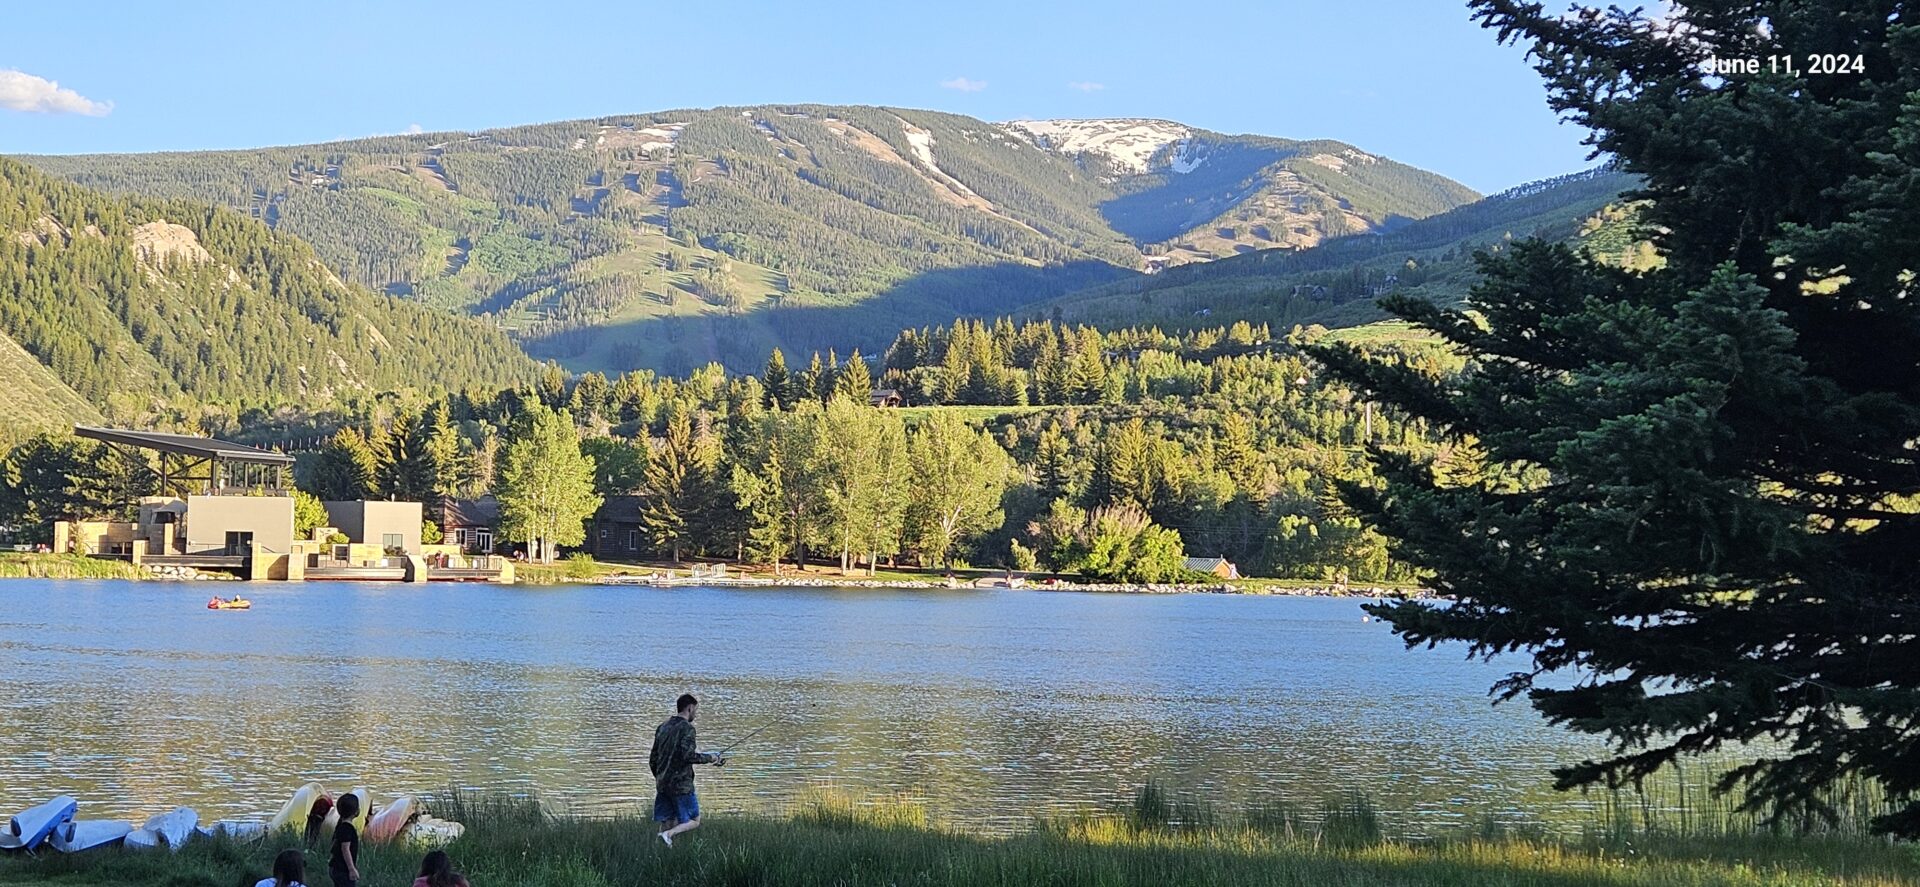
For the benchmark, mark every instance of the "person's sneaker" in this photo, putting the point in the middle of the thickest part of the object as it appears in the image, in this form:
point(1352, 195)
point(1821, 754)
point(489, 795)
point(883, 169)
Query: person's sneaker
point(666, 839)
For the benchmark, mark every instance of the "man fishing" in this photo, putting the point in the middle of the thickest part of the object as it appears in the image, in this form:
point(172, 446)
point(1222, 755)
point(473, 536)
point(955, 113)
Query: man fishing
point(674, 753)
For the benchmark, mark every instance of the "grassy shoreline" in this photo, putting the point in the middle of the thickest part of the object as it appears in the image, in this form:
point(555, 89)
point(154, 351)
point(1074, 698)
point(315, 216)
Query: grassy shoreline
point(587, 571)
point(836, 840)
point(20, 565)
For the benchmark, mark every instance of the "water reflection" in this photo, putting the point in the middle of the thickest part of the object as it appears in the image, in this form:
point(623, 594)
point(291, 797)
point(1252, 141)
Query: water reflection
point(991, 707)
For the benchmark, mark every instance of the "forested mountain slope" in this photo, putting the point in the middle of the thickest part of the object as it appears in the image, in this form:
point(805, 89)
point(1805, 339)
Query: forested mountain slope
point(33, 399)
point(1336, 282)
point(136, 302)
point(669, 239)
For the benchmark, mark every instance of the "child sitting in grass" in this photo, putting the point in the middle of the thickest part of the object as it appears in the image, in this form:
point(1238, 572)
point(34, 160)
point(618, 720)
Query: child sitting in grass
point(289, 870)
point(437, 871)
point(343, 862)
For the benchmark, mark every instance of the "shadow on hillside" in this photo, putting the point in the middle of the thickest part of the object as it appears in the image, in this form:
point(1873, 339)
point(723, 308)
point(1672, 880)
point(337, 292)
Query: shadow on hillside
point(679, 343)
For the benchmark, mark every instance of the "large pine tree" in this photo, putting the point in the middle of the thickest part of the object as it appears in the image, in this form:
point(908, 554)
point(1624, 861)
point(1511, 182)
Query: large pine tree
point(1712, 525)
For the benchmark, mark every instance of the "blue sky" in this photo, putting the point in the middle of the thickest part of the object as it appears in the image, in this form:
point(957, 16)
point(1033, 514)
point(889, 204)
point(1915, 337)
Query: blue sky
point(1412, 79)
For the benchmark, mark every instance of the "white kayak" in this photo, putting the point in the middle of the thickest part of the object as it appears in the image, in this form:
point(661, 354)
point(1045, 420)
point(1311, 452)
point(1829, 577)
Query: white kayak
point(237, 829)
point(170, 829)
point(31, 826)
point(74, 836)
point(430, 832)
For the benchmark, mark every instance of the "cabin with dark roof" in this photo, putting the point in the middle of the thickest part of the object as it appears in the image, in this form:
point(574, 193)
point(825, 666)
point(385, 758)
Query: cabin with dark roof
point(471, 524)
point(618, 530)
point(1218, 567)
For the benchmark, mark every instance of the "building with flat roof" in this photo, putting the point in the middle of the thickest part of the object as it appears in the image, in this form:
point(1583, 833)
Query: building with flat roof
point(393, 526)
point(220, 506)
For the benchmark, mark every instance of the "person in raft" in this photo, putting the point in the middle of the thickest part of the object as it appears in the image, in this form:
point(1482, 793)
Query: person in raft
point(437, 871)
point(289, 870)
point(674, 753)
point(343, 862)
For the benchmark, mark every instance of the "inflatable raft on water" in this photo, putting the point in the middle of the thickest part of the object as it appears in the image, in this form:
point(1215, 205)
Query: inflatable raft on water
point(237, 603)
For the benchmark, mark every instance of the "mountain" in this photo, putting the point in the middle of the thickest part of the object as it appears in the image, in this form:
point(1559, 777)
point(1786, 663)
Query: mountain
point(1190, 195)
point(1336, 282)
point(669, 239)
point(135, 304)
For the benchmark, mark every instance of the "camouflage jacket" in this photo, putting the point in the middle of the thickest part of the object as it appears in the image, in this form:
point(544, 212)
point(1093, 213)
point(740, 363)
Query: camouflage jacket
point(673, 756)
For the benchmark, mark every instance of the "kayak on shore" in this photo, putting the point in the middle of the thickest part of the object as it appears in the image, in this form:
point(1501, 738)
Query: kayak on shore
point(52, 824)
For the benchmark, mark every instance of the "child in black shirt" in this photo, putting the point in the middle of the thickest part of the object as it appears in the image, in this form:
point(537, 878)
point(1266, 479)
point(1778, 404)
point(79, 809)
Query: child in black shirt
point(341, 863)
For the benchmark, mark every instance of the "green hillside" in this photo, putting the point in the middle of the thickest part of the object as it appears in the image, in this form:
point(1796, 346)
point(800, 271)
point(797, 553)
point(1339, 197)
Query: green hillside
point(32, 398)
point(669, 239)
point(137, 303)
point(1335, 283)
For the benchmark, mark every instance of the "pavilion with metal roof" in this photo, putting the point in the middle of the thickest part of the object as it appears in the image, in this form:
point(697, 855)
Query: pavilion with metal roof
point(203, 464)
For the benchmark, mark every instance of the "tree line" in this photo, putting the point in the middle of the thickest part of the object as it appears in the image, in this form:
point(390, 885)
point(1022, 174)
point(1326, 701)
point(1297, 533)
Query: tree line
point(1133, 449)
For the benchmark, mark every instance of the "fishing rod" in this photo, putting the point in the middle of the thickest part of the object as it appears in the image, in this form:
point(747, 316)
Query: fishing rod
point(756, 731)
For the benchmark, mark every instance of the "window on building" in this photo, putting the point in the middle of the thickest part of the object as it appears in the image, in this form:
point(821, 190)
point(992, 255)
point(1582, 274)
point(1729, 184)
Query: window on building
point(392, 542)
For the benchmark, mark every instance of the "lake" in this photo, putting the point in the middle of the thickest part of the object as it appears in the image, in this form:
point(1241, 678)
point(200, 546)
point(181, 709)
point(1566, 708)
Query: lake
point(988, 706)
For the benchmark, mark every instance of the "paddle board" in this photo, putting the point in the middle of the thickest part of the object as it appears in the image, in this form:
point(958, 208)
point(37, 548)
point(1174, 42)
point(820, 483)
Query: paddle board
point(170, 829)
point(74, 836)
point(27, 829)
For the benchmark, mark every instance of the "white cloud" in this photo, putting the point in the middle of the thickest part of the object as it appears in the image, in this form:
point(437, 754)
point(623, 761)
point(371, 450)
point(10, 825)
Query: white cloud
point(1086, 86)
point(414, 129)
point(964, 84)
point(21, 91)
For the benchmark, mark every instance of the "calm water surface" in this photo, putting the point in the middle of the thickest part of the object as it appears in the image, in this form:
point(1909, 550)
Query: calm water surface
point(988, 706)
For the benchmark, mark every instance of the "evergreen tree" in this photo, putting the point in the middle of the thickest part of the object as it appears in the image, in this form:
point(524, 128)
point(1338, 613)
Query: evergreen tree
point(546, 484)
point(346, 468)
point(443, 452)
point(672, 486)
point(1052, 473)
point(407, 472)
point(1124, 470)
point(37, 484)
point(1086, 376)
point(777, 381)
point(552, 390)
point(807, 383)
point(1717, 547)
point(855, 379)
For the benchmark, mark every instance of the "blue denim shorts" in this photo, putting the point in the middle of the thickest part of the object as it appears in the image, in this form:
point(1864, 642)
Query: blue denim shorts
point(673, 809)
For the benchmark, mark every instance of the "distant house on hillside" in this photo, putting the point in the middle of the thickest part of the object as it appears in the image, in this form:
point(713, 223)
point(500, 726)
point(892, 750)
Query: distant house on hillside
point(1219, 567)
point(472, 524)
point(617, 531)
point(886, 397)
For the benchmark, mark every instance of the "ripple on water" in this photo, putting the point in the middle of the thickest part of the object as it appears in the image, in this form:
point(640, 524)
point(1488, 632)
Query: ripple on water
point(987, 706)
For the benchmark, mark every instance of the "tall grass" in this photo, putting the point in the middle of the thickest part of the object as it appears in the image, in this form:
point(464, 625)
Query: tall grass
point(16, 565)
point(1159, 838)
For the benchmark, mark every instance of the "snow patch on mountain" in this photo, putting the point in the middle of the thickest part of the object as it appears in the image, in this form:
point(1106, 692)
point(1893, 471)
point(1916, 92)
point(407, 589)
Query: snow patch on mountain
point(1130, 143)
point(922, 142)
point(1188, 158)
point(1339, 161)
